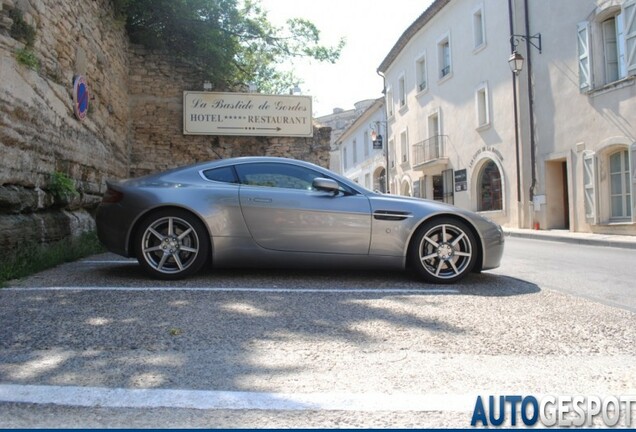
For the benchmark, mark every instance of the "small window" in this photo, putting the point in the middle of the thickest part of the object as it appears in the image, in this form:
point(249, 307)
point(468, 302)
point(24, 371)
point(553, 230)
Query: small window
point(402, 91)
point(404, 143)
point(614, 48)
point(389, 102)
point(620, 189)
point(354, 151)
point(344, 157)
point(479, 36)
point(444, 57)
point(392, 152)
point(481, 101)
point(222, 175)
point(420, 74)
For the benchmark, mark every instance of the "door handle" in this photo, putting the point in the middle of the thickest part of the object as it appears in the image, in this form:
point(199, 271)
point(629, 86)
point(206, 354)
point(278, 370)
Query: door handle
point(262, 200)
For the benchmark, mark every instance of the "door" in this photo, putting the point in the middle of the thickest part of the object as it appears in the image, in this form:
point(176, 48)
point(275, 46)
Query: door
point(284, 212)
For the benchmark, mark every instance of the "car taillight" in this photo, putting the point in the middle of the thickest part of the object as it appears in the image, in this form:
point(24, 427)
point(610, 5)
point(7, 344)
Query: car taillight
point(111, 196)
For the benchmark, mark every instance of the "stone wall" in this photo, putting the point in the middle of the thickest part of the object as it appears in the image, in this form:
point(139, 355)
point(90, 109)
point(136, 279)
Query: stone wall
point(156, 90)
point(133, 127)
point(39, 134)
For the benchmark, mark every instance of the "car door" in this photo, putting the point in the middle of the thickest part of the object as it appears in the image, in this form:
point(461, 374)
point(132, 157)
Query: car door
point(284, 212)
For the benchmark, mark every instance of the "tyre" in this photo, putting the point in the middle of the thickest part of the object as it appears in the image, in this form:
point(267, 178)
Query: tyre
point(172, 244)
point(444, 251)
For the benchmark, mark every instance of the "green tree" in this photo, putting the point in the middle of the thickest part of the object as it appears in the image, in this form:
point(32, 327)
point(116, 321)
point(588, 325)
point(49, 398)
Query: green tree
point(234, 44)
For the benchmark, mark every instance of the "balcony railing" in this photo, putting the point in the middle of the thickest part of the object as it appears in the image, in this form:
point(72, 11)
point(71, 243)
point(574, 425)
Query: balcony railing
point(429, 150)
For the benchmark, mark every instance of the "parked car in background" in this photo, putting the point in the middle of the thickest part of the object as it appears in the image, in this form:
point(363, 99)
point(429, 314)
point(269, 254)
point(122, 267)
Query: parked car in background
point(265, 211)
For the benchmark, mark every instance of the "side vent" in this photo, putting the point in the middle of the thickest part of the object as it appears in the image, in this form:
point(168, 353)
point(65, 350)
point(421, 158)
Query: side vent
point(390, 215)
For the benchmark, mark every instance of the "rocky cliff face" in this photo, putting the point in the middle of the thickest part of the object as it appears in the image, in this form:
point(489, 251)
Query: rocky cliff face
point(133, 125)
point(39, 134)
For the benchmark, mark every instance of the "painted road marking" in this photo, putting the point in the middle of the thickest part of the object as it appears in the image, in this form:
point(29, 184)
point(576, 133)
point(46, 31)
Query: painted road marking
point(253, 289)
point(232, 400)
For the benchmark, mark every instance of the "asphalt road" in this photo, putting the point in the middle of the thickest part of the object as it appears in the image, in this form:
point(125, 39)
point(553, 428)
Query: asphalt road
point(97, 344)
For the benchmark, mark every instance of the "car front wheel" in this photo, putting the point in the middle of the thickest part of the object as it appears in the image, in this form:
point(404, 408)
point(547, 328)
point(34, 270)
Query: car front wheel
point(445, 251)
point(172, 244)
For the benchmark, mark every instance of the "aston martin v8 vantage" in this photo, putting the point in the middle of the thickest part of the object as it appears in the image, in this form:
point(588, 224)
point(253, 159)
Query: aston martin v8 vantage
point(265, 211)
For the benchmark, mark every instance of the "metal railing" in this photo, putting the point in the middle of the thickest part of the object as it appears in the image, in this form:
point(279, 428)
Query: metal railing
point(429, 149)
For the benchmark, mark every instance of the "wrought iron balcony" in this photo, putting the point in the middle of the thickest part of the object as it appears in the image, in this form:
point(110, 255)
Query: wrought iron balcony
point(429, 151)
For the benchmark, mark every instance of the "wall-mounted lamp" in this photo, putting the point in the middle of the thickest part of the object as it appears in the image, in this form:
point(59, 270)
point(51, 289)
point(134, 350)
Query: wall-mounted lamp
point(516, 60)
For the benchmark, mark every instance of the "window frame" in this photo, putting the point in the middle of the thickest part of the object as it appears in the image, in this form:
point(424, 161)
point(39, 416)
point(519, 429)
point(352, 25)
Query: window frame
point(625, 183)
point(421, 74)
point(482, 106)
point(402, 100)
point(404, 146)
point(442, 41)
point(479, 12)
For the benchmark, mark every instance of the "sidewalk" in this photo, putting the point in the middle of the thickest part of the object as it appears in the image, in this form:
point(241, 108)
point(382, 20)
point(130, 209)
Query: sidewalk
point(619, 241)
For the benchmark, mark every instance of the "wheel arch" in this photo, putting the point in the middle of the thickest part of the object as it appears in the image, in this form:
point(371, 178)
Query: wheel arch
point(480, 246)
point(130, 242)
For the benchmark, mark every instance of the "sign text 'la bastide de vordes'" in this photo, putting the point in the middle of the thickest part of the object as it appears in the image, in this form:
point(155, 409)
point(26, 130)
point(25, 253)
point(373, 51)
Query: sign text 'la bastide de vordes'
point(253, 114)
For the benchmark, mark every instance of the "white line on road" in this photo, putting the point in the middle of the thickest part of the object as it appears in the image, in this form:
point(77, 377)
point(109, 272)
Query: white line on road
point(253, 289)
point(107, 262)
point(232, 400)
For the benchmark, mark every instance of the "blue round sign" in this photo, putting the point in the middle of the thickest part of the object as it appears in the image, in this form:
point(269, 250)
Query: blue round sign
point(80, 97)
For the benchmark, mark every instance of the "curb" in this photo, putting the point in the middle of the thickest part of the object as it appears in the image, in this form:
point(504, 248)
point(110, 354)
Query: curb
point(584, 239)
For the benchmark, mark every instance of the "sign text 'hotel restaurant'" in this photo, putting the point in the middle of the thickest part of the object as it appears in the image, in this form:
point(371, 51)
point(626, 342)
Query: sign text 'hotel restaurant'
point(254, 114)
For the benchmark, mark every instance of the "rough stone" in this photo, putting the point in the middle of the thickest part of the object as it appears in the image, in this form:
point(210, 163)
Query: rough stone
point(133, 126)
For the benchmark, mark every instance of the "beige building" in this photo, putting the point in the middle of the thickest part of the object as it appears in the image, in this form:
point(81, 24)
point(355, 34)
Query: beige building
point(551, 147)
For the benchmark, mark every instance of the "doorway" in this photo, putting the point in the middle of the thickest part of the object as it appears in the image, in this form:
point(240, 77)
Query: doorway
point(557, 195)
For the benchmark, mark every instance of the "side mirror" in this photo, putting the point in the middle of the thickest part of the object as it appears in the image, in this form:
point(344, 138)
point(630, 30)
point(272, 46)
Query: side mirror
point(326, 185)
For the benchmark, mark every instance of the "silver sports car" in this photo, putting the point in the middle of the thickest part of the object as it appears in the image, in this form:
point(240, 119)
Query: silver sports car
point(264, 211)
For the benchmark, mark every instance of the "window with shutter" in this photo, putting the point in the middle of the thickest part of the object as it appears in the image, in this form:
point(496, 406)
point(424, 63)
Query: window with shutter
point(589, 184)
point(585, 77)
point(629, 31)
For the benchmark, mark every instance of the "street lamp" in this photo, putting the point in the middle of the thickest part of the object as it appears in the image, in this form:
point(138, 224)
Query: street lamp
point(516, 60)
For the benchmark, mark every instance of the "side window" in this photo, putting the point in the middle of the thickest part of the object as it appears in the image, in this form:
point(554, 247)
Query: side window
point(276, 175)
point(223, 175)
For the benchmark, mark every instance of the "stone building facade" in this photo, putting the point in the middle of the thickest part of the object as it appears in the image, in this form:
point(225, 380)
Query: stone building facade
point(133, 125)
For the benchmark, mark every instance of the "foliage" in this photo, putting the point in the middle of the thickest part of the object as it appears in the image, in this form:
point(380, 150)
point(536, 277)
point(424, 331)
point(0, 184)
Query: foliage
point(62, 186)
point(27, 58)
point(32, 258)
point(233, 44)
point(20, 30)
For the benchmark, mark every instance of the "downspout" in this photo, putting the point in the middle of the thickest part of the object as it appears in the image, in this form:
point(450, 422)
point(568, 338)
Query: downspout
point(386, 132)
point(514, 99)
point(530, 104)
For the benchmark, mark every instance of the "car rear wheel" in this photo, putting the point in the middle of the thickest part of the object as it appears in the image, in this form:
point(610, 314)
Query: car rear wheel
point(172, 244)
point(445, 251)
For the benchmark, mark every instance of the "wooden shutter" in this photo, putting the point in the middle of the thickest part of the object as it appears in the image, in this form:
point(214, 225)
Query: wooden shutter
point(629, 15)
point(585, 76)
point(589, 181)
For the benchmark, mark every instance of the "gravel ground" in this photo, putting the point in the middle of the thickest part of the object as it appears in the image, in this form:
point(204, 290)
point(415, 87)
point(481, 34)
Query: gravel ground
point(495, 335)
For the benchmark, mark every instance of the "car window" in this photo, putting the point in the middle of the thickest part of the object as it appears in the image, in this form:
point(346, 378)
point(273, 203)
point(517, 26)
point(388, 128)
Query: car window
point(276, 175)
point(223, 175)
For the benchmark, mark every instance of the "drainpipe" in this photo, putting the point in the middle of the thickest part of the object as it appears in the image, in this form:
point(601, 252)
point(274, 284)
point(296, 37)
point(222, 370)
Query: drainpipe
point(386, 133)
point(515, 111)
point(531, 104)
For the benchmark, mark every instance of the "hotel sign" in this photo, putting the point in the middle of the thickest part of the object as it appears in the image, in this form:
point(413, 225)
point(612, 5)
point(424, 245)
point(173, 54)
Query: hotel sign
point(253, 114)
